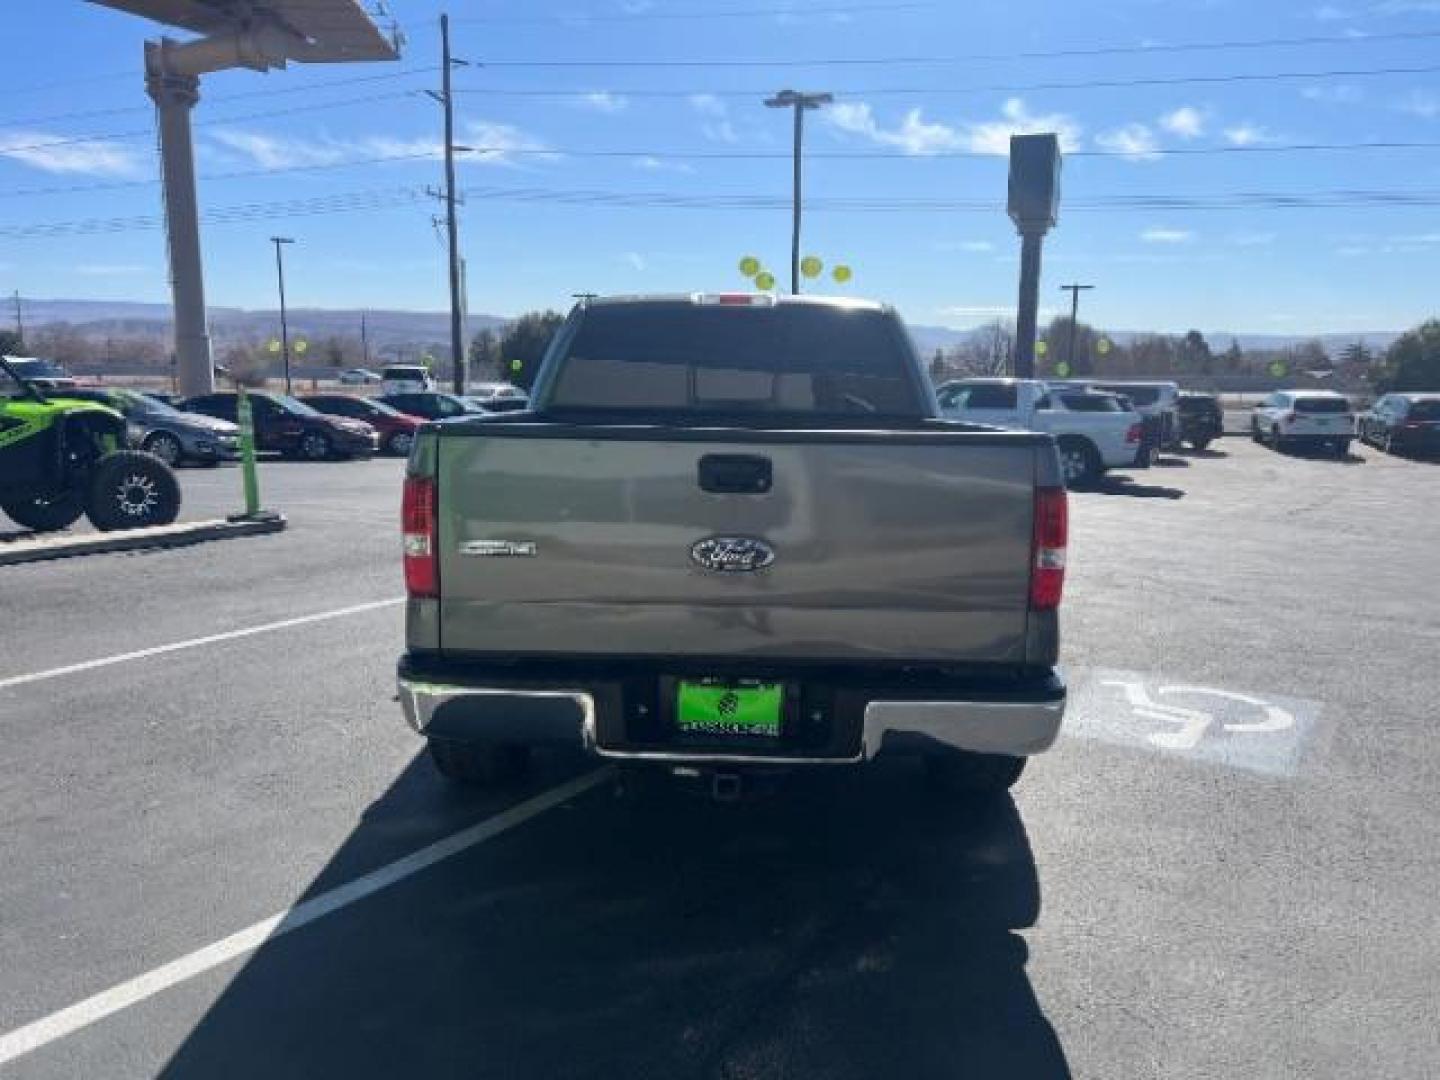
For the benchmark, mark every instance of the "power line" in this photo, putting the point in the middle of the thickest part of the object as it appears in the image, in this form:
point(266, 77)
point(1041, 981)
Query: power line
point(720, 13)
point(965, 58)
point(394, 198)
point(994, 88)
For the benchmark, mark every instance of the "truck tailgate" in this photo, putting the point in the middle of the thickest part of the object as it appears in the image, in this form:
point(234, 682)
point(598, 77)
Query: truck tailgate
point(575, 542)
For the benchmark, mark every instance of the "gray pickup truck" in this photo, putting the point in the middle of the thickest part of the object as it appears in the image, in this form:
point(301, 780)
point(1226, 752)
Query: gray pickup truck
point(733, 535)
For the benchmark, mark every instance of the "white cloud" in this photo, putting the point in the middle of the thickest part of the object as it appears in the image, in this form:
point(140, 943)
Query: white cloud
point(708, 105)
point(492, 143)
point(1188, 122)
point(918, 136)
point(111, 269)
point(722, 131)
point(635, 260)
point(976, 245)
point(993, 136)
point(649, 163)
point(1422, 103)
point(1338, 94)
point(1248, 134)
point(1136, 142)
point(55, 154)
point(603, 101)
point(1158, 235)
point(1331, 13)
point(1250, 239)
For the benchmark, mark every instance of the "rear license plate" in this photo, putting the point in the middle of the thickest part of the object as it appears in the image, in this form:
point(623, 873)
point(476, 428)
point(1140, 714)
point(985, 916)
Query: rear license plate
point(719, 707)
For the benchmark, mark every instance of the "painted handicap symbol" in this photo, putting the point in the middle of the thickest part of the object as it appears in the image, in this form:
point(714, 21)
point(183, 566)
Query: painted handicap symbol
point(1194, 723)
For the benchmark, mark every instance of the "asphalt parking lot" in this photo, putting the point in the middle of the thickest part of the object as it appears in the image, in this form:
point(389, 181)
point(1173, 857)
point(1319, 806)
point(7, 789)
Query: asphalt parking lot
point(1226, 868)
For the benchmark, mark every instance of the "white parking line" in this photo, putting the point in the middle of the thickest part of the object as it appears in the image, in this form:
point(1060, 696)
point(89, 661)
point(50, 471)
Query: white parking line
point(108, 1002)
point(195, 643)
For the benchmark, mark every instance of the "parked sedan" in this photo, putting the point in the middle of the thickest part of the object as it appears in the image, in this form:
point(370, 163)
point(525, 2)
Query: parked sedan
point(173, 436)
point(498, 397)
point(359, 377)
point(285, 425)
point(430, 404)
point(1403, 424)
point(396, 429)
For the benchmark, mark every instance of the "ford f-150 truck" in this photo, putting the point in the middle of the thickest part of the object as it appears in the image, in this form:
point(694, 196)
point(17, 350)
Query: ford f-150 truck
point(1094, 432)
point(731, 535)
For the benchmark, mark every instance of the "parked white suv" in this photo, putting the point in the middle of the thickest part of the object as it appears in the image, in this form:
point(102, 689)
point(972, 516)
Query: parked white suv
point(406, 379)
point(1312, 418)
point(1094, 431)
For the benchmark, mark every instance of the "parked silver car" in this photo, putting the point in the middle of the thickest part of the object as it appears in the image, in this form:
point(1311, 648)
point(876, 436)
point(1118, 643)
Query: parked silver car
point(163, 430)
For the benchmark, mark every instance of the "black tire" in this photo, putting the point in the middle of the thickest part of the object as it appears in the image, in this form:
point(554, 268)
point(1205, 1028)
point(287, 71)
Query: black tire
point(958, 773)
point(1342, 450)
point(1255, 432)
point(479, 764)
point(1277, 441)
point(164, 446)
point(399, 443)
point(132, 490)
point(44, 514)
point(316, 446)
point(1202, 442)
point(1080, 463)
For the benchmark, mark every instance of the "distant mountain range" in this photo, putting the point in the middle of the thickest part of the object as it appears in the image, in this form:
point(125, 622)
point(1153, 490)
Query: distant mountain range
point(119, 318)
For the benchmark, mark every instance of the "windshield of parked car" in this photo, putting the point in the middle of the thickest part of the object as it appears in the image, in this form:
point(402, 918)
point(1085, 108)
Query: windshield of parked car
point(1424, 410)
point(31, 368)
point(1093, 403)
point(1321, 405)
point(1140, 396)
point(699, 358)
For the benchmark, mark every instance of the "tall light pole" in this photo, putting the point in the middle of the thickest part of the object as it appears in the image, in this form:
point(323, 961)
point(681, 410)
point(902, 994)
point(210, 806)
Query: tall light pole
point(446, 98)
point(799, 101)
point(1074, 291)
point(279, 242)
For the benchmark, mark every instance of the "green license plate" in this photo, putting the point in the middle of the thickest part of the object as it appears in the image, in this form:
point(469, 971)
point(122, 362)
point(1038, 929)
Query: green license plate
point(719, 708)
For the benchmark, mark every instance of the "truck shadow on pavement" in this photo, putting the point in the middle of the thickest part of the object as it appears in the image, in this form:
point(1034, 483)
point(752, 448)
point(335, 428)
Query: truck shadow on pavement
point(1110, 484)
point(855, 925)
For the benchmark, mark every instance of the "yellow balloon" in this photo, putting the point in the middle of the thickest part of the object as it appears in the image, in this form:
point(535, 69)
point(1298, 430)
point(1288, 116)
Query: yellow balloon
point(1102, 346)
point(842, 273)
point(1041, 348)
point(274, 346)
point(811, 266)
point(301, 346)
point(765, 281)
point(1062, 369)
point(749, 266)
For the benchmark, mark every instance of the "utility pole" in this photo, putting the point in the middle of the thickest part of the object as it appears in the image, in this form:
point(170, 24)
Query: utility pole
point(1074, 291)
point(279, 242)
point(799, 101)
point(364, 340)
point(452, 228)
point(19, 319)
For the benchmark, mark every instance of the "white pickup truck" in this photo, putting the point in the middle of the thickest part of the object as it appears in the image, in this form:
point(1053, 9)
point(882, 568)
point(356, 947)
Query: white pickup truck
point(1094, 431)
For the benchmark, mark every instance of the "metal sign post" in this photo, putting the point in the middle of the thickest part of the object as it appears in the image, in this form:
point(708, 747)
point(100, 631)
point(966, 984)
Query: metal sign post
point(249, 476)
point(1033, 204)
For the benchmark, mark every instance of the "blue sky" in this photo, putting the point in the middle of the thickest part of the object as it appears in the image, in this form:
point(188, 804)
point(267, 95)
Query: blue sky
point(535, 230)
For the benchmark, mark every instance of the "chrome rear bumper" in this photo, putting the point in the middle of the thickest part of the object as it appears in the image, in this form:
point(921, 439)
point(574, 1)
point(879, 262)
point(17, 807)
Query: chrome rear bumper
point(567, 717)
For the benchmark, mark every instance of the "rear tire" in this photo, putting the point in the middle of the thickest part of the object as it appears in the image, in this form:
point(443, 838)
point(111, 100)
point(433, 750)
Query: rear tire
point(971, 774)
point(399, 444)
point(40, 514)
point(1080, 464)
point(315, 446)
point(1201, 443)
point(479, 764)
point(132, 490)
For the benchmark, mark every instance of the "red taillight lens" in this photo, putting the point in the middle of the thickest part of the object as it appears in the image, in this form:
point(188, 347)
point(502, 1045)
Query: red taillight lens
point(1047, 548)
point(417, 526)
point(1135, 433)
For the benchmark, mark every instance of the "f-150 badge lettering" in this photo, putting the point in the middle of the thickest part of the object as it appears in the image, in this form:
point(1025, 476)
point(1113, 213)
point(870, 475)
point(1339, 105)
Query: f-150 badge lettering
point(732, 554)
point(499, 548)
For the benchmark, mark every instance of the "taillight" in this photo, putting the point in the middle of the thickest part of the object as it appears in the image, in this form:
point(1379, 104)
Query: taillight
point(1135, 433)
point(1047, 548)
point(417, 525)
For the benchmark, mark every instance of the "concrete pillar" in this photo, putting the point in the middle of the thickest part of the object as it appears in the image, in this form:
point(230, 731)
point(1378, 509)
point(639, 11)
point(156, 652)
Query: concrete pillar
point(175, 96)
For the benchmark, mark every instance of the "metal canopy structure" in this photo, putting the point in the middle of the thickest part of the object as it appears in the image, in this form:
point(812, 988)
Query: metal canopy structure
point(255, 34)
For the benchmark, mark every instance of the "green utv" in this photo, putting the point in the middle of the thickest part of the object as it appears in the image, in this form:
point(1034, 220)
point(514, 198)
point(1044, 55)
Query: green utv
point(61, 458)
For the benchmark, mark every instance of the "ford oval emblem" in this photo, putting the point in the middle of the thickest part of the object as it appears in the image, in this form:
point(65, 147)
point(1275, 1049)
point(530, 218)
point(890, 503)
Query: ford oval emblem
point(732, 554)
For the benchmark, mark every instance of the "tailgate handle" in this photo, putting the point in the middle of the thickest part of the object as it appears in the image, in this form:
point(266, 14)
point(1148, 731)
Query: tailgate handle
point(736, 474)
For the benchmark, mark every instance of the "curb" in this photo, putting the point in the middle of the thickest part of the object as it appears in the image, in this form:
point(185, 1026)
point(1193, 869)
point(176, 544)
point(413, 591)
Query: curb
point(160, 536)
